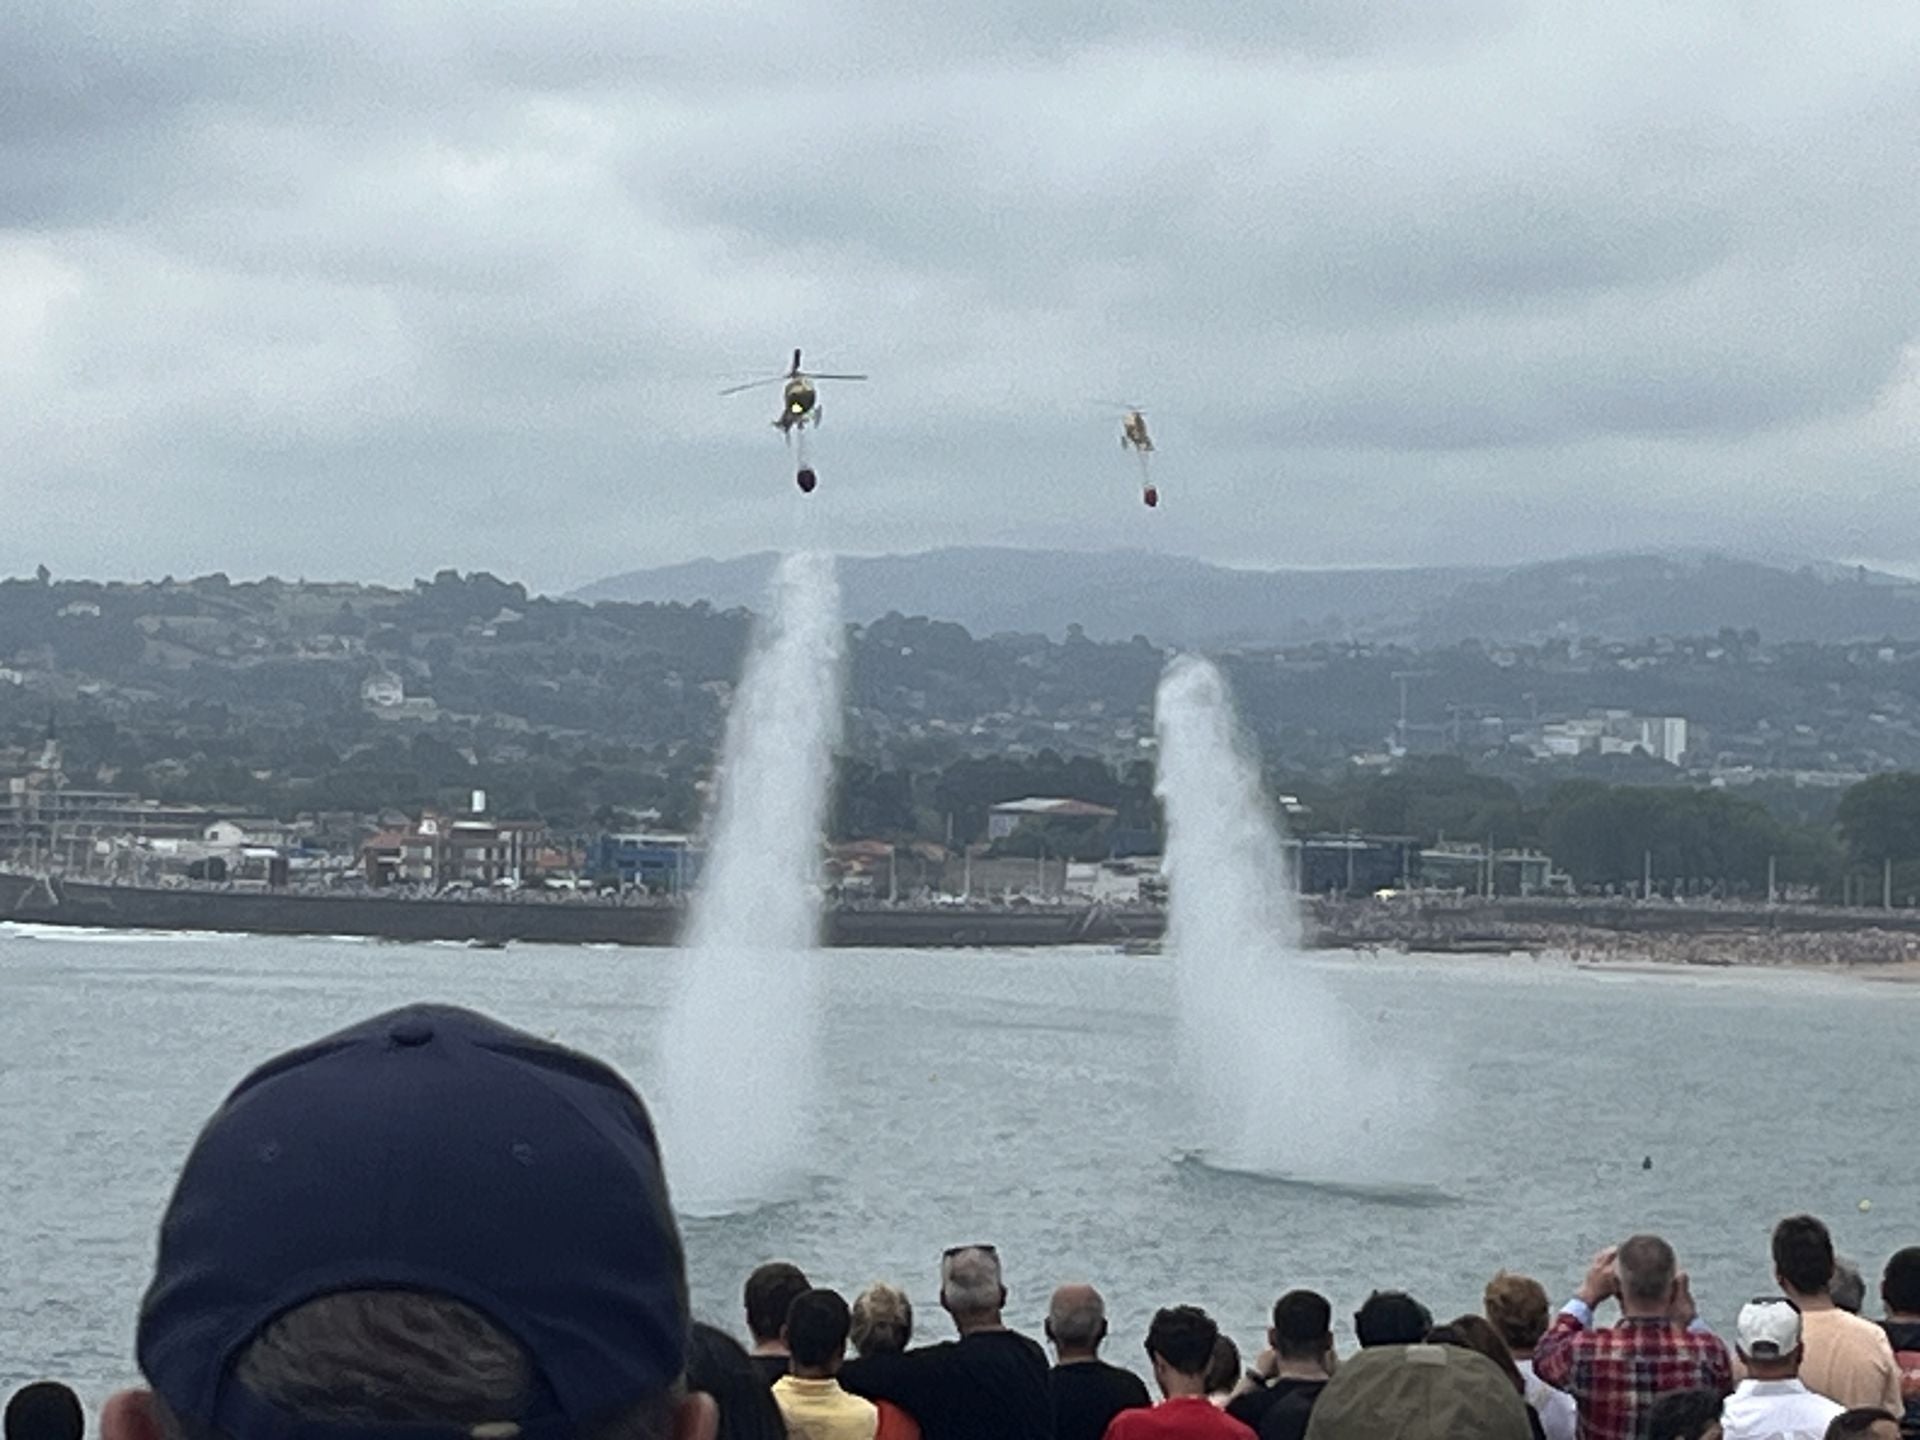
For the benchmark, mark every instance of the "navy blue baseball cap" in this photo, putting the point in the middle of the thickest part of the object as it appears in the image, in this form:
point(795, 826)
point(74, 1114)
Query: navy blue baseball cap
point(428, 1149)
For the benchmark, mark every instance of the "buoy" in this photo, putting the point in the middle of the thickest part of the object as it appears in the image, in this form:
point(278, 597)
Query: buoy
point(1865, 1206)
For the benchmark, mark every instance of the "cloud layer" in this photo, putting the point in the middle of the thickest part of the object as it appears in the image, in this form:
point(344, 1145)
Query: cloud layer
point(368, 289)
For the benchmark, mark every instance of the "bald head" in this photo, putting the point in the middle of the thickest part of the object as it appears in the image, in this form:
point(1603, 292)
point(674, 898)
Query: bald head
point(1077, 1322)
point(970, 1287)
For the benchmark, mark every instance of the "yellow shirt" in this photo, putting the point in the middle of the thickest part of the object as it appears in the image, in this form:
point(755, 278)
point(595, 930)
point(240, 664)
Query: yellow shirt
point(1848, 1360)
point(821, 1410)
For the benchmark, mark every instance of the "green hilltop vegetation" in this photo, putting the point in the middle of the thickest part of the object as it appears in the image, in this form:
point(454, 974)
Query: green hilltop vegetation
point(288, 698)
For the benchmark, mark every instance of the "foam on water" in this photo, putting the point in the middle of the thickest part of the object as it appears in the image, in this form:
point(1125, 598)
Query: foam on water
point(738, 1056)
point(1281, 1081)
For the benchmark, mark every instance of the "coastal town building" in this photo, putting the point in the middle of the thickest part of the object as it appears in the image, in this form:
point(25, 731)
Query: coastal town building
point(666, 862)
point(1613, 732)
point(436, 851)
point(46, 820)
point(1008, 816)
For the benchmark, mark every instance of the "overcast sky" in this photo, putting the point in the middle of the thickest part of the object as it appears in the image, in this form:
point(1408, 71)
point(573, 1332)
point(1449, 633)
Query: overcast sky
point(368, 288)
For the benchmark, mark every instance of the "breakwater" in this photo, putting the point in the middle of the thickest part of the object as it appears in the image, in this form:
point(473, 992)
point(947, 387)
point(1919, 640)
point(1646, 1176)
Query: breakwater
point(1699, 933)
point(554, 920)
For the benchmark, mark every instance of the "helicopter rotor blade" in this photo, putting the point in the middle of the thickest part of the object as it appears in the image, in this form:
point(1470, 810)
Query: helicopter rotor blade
point(811, 376)
point(754, 384)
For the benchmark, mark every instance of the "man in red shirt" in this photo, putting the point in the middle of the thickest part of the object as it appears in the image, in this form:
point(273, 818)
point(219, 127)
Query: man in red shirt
point(1659, 1345)
point(1180, 1345)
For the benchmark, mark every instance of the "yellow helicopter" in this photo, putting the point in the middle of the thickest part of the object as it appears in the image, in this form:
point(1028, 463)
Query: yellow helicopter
point(799, 406)
point(1133, 436)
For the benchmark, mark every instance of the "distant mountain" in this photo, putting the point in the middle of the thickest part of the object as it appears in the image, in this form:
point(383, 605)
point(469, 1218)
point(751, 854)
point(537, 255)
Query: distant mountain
point(1632, 597)
point(1111, 595)
point(1172, 600)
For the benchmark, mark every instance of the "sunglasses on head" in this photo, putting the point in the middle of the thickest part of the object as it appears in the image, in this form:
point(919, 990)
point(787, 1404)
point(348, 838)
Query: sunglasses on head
point(953, 1250)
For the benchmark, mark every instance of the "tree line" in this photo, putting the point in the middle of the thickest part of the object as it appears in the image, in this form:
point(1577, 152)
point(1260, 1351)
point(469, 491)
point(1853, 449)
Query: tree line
point(1690, 840)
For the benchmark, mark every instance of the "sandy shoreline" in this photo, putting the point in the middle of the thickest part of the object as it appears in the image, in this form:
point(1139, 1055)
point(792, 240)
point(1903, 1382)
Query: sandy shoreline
point(1887, 959)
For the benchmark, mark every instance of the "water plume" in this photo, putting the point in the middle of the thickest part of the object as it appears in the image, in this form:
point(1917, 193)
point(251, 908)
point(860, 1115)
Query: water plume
point(1268, 1053)
point(738, 1053)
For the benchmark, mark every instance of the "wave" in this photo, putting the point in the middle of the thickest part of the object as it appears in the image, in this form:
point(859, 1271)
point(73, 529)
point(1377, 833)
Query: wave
point(1406, 1194)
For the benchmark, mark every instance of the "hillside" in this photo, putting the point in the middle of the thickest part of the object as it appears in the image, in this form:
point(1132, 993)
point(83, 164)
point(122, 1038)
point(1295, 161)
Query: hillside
point(292, 697)
point(1176, 601)
point(1632, 597)
point(1111, 595)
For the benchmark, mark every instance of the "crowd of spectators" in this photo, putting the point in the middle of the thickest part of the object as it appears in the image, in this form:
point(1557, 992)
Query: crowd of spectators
point(430, 1226)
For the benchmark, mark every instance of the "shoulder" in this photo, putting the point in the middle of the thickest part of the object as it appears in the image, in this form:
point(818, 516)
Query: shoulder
point(1034, 1347)
point(1857, 1330)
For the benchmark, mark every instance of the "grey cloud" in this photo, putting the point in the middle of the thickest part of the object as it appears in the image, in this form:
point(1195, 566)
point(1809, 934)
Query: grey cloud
point(438, 283)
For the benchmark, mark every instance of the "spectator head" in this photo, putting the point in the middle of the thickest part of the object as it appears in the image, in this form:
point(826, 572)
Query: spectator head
point(971, 1290)
point(1476, 1333)
point(1647, 1269)
point(45, 1410)
point(816, 1334)
point(1849, 1285)
point(1223, 1370)
point(1900, 1283)
point(369, 1234)
point(1391, 1317)
point(882, 1320)
point(1685, 1415)
point(1868, 1424)
point(1076, 1321)
point(717, 1365)
point(1180, 1344)
point(769, 1295)
point(1302, 1327)
point(1768, 1338)
point(1518, 1308)
point(1803, 1256)
point(1419, 1392)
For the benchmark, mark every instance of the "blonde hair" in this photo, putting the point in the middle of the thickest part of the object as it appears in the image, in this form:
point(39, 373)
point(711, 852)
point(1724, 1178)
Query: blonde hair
point(882, 1320)
point(1517, 1305)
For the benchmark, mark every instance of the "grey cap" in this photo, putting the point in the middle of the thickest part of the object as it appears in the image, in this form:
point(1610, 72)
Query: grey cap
point(1419, 1392)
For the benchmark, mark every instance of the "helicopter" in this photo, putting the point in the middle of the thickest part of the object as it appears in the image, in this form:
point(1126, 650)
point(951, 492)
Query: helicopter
point(1133, 436)
point(799, 405)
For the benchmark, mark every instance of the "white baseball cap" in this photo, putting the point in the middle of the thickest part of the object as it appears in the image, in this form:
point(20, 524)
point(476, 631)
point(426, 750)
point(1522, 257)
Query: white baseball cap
point(1769, 1328)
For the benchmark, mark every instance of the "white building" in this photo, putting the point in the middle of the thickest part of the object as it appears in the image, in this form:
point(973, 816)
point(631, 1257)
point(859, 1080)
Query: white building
point(1614, 732)
point(385, 691)
point(1010, 815)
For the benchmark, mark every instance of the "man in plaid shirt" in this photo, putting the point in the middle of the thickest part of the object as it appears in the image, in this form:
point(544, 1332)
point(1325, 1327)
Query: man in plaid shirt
point(1659, 1345)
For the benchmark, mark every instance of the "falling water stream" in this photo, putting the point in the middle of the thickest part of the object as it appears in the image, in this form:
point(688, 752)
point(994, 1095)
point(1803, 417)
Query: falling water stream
point(1283, 1081)
point(738, 1056)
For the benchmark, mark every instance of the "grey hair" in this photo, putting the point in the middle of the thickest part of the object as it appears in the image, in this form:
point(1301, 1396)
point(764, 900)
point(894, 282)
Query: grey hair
point(970, 1282)
point(882, 1320)
point(1647, 1265)
point(1849, 1288)
point(1080, 1325)
point(397, 1357)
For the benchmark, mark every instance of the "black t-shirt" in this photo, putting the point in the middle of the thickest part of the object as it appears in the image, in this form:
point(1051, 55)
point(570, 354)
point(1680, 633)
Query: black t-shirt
point(1089, 1393)
point(1280, 1411)
point(769, 1367)
point(1904, 1336)
point(992, 1385)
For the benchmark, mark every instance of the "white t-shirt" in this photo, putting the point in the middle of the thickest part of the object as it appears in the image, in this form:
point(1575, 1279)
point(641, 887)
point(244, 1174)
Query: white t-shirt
point(1776, 1410)
point(1559, 1416)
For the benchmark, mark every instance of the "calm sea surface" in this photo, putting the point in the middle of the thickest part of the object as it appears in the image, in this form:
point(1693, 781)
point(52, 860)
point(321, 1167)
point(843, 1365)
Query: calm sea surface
point(1031, 1100)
